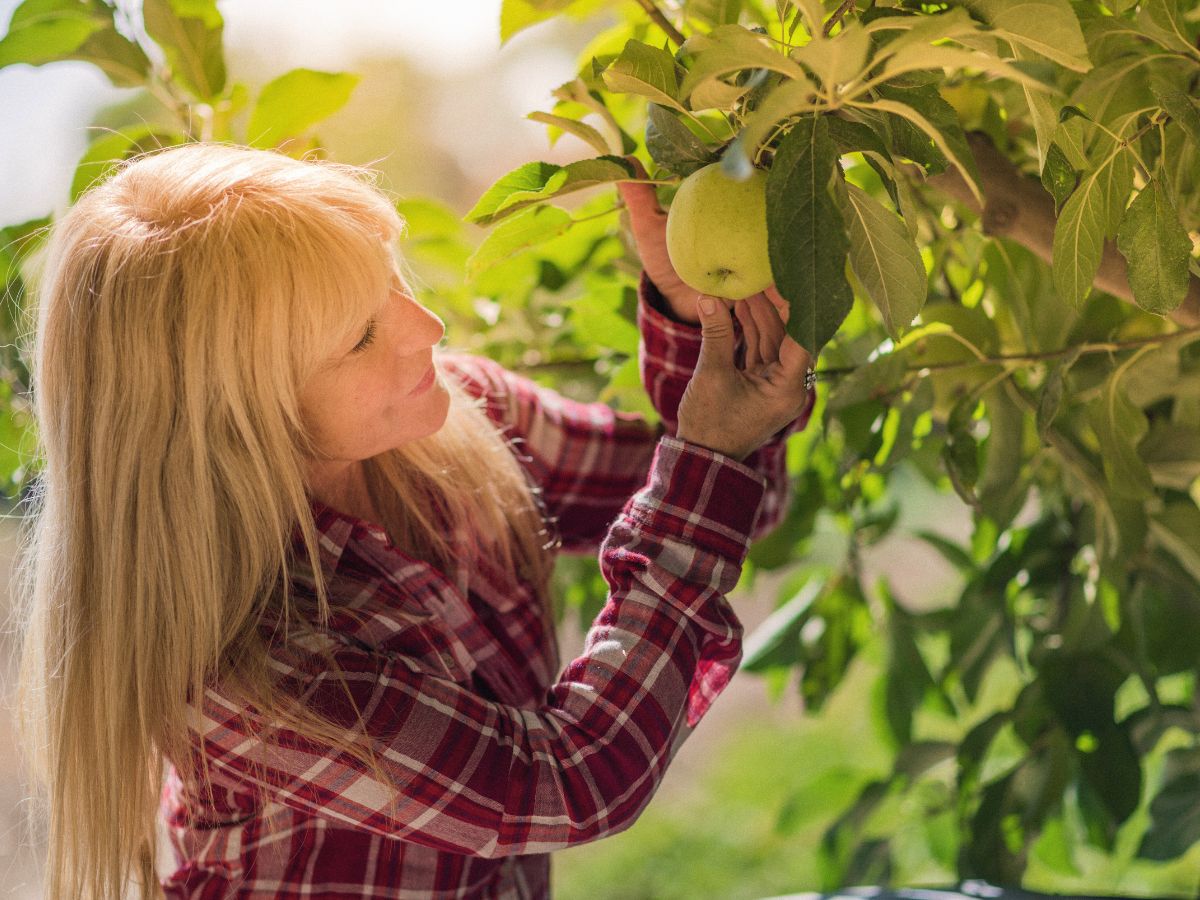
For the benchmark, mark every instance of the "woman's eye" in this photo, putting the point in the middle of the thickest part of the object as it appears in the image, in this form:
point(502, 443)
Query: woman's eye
point(367, 338)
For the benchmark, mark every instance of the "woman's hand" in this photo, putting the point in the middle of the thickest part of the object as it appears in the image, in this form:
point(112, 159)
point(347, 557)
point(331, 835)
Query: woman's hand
point(762, 316)
point(766, 397)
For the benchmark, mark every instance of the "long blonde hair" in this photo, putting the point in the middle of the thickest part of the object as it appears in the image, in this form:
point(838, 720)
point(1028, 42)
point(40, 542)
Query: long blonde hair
point(183, 304)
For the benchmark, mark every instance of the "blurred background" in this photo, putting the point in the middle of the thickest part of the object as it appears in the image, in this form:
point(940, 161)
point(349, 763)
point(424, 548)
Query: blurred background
point(743, 808)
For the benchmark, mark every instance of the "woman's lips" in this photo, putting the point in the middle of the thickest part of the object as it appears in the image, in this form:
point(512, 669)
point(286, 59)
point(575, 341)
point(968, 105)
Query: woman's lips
point(425, 383)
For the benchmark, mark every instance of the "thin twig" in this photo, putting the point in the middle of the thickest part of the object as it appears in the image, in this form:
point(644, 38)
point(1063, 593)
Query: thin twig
point(1108, 347)
point(662, 21)
point(838, 15)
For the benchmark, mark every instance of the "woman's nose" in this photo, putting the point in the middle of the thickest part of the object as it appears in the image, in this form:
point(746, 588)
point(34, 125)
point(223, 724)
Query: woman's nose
point(437, 328)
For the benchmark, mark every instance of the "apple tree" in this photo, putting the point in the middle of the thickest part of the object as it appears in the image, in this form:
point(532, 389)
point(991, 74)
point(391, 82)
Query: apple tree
point(984, 216)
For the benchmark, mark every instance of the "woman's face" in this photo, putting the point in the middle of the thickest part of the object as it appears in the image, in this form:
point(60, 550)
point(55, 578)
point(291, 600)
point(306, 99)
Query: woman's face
point(362, 402)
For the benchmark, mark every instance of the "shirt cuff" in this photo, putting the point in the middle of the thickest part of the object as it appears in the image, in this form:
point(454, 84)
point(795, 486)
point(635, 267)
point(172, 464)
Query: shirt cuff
point(700, 496)
point(666, 338)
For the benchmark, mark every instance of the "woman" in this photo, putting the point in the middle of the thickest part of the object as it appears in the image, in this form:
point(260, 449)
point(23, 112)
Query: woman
point(286, 581)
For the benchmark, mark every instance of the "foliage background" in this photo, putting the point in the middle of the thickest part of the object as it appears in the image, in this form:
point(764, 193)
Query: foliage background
point(882, 577)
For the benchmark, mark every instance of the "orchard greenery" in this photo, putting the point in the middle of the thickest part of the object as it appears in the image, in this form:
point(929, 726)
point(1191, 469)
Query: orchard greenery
point(1047, 716)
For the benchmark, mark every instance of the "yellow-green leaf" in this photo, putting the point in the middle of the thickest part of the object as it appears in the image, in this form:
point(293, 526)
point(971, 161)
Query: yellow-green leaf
point(646, 71)
point(43, 31)
point(884, 259)
point(190, 34)
point(1086, 219)
point(729, 49)
point(581, 130)
point(523, 230)
point(1048, 27)
point(296, 100)
point(838, 59)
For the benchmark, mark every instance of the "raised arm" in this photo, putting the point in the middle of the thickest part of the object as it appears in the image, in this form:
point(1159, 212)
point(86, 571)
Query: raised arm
point(587, 458)
point(487, 779)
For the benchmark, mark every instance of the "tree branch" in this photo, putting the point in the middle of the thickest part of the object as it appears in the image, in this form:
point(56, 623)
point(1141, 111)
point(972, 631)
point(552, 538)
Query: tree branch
point(1018, 207)
point(656, 15)
point(838, 15)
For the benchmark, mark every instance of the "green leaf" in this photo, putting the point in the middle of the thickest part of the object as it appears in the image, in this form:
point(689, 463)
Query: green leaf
point(647, 71)
point(190, 34)
point(806, 236)
point(626, 391)
point(1070, 135)
point(672, 144)
point(106, 152)
point(1114, 771)
point(1172, 453)
point(122, 60)
point(1052, 393)
point(1175, 809)
point(1180, 107)
point(1162, 21)
point(884, 259)
point(920, 30)
point(937, 123)
point(788, 98)
point(535, 182)
point(728, 49)
point(1086, 219)
point(524, 230)
point(776, 641)
point(528, 178)
point(961, 451)
point(1058, 176)
point(1157, 247)
point(296, 100)
point(1048, 27)
point(917, 58)
point(517, 15)
point(577, 91)
point(18, 243)
point(838, 59)
point(908, 678)
point(597, 319)
point(950, 551)
point(870, 381)
point(1001, 489)
point(43, 31)
point(1177, 530)
point(1120, 426)
point(581, 130)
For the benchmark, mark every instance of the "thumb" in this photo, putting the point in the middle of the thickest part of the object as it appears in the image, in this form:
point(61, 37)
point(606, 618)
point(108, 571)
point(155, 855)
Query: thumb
point(717, 338)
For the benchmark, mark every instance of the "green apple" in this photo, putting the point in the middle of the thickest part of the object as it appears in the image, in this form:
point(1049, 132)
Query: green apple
point(717, 233)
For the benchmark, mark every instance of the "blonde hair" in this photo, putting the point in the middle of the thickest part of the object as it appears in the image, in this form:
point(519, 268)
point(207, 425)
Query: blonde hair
point(183, 304)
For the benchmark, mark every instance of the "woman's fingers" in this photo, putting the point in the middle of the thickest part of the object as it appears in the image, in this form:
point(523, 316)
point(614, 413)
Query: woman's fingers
point(750, 333)
point(794, 362)
point(770, 327)
point(779, 302)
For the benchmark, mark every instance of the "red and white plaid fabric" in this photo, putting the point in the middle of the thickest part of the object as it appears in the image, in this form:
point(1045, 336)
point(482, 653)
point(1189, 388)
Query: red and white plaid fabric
point(497, 761)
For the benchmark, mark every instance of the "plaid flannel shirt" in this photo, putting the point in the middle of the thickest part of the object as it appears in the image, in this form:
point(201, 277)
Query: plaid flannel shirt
point(493, 761)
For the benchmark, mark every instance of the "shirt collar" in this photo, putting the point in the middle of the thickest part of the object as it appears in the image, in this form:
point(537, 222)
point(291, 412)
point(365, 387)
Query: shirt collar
point(335, 530)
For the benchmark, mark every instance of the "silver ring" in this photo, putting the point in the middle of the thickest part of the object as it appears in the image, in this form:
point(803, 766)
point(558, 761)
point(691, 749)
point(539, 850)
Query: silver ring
point(810, 379)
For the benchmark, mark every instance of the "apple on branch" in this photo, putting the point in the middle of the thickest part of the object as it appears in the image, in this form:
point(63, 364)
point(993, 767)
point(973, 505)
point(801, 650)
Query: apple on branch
point(717, 233)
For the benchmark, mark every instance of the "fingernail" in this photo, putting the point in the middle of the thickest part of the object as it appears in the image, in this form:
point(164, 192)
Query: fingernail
point(708, 305)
